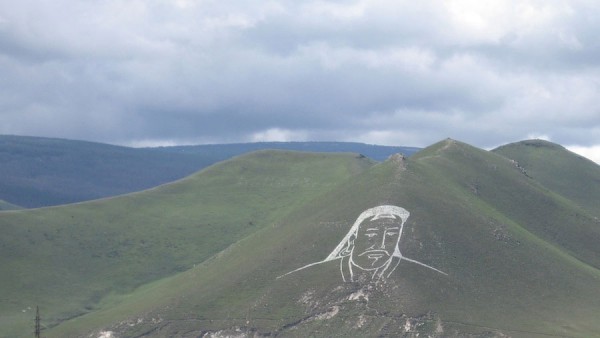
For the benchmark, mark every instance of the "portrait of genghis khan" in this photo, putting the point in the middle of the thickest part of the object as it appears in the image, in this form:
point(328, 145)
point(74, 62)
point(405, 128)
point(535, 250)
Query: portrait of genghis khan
point(372, 246)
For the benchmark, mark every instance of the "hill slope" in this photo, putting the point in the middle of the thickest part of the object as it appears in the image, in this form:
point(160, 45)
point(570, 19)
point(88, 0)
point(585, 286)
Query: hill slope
point(8, 206)
point(486, 251)
point(70, 259)
point(562, 171)
point(38, 172)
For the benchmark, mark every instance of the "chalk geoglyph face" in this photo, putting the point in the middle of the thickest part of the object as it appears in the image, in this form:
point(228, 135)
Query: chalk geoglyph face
point(375, 242)
point(371, 244)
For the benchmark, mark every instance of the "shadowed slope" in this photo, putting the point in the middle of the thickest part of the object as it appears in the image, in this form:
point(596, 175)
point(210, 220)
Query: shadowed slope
point(39, 172)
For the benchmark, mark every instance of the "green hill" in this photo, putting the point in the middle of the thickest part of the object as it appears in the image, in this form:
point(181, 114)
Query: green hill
point(573, 176)
point(250, 247)
point(225, 151)
point(71, 259)
point(8, 206)
point(38, 172)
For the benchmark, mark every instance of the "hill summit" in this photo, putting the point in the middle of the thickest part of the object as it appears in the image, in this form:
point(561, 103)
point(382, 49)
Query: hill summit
point(452, 241)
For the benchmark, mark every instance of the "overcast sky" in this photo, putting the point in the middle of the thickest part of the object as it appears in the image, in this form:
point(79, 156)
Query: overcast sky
point(392, 72)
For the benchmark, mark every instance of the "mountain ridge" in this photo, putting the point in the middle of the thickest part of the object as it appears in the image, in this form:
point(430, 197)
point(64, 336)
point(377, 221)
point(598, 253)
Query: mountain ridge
point(41, 172)
point(507, 272)
point(486, 250)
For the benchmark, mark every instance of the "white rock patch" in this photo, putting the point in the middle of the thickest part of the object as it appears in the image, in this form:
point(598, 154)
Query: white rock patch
point(106, 334)
point(358, 295)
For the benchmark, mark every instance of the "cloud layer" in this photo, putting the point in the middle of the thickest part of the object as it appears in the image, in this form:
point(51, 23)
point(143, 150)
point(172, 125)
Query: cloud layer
point(377, 71)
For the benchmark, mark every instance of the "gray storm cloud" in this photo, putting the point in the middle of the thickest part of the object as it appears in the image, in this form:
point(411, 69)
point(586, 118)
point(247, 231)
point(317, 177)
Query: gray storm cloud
point(380, 71)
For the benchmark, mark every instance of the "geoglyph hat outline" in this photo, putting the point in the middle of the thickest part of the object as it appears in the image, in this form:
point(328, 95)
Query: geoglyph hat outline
point(375, 212)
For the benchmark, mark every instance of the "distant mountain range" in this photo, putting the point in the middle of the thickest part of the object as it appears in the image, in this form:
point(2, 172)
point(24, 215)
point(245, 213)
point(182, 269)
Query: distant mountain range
point(38, 172)
point(453, 241)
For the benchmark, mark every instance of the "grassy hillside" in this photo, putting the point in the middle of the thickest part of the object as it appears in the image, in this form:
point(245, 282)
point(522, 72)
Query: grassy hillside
point(520, 260)
point(39, 172)
point(562, 171)
point(73, 259)
point(8, 206)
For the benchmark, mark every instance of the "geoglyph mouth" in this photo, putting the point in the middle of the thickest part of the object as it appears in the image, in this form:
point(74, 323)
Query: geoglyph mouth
point(375, 255)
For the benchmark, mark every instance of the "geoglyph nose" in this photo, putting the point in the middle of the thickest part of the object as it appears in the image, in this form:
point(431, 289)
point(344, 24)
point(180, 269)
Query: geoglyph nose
point(379, 241)
point(382, 246)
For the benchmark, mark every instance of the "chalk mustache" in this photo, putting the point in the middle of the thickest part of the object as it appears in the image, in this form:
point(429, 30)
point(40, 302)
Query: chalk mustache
point(375, 252)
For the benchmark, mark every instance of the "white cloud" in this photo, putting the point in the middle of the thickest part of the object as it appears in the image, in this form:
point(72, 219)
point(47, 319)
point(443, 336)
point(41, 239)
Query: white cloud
point(277, 135)
point(151, 143)
point(379, 71)
point(537, 136)
point(336, 11)
point(590, 152)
